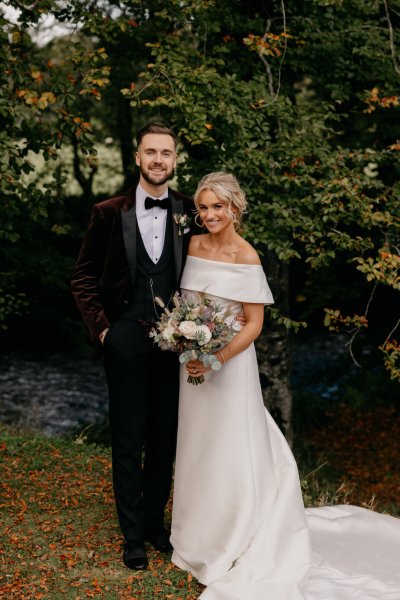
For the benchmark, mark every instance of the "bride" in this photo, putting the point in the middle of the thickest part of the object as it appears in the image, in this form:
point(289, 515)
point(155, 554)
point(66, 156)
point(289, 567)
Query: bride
point(238, 523)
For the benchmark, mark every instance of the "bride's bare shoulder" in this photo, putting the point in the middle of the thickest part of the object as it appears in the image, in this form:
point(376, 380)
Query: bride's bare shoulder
point(196, 243)
point(247, 255)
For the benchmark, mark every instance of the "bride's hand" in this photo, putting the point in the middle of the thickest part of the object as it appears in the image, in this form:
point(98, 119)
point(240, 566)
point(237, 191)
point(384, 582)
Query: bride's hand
point(195, 368)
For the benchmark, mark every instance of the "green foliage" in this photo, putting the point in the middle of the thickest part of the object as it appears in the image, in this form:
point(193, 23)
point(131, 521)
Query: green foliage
point(40, 108)
point(391, 353)
point(312, 197)
point(11, 302)
point(300, 105)
point(280, 319)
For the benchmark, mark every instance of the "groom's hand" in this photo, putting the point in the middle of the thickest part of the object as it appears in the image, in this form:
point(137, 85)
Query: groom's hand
point(102, 335)
point(241, 319)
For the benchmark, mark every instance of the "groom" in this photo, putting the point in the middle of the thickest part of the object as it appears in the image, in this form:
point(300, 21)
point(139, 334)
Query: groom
point(133, 251)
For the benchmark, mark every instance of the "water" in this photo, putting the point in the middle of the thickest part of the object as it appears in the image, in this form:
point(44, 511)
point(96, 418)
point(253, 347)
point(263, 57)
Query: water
point(60, 395)
point(54, 394)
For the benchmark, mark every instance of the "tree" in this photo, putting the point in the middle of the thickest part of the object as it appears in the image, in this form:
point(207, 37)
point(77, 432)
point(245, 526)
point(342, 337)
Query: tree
point(298, 100)
point(40, 110)
point(217, 76)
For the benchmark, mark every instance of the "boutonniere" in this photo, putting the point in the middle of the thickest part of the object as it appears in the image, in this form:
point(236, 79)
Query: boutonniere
point(182, 221)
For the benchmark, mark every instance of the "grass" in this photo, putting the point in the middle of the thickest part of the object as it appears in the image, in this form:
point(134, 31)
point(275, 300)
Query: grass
point(60, 536)
point(61, 539)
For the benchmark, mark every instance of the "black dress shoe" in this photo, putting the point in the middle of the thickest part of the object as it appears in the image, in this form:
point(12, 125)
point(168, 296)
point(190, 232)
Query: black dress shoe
point(159, 538)
point(135, 556)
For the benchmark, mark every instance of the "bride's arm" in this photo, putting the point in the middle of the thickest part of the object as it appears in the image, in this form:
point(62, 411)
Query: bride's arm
point(254, 314)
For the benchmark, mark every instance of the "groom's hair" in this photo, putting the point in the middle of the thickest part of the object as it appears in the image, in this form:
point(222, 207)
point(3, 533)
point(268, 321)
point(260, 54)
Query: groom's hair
point(155, 128)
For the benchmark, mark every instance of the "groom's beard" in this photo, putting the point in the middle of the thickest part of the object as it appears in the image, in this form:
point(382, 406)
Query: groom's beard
point(155, 181)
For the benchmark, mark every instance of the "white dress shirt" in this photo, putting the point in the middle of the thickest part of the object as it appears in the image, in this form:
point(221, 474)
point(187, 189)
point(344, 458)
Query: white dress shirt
point(152, 223)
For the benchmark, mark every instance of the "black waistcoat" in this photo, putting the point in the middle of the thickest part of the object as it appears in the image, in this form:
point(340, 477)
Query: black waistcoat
point(152, 279)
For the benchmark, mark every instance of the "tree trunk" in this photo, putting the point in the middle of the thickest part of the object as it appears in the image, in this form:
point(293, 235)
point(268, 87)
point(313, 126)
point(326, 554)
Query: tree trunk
point(273, 350)
point(124, 123)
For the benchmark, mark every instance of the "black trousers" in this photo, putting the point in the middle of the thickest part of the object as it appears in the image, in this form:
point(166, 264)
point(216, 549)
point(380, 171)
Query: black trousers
point(143, 386)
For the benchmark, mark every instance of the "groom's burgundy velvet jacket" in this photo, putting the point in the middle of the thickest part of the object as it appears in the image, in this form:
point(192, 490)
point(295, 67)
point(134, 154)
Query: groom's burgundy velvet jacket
point(106, 267)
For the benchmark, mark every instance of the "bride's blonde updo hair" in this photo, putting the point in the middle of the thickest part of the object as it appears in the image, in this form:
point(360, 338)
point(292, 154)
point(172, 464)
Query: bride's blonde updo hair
point(226, 187)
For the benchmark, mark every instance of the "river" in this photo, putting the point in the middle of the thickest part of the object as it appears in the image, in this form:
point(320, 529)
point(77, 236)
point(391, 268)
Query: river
point(61, 395)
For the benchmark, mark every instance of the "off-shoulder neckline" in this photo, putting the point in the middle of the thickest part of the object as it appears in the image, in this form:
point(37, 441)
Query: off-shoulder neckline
point(222, 262)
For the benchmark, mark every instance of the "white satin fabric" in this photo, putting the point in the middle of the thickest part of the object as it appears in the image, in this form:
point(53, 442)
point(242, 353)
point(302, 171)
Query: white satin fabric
point(238, 522)
point(243, 283)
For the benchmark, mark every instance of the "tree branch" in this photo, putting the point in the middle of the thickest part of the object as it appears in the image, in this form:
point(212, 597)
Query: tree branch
point(357, 330)
point(392, 332)
point(266, 63)
point(25, 7)
point(394, 11)
point(391, 39)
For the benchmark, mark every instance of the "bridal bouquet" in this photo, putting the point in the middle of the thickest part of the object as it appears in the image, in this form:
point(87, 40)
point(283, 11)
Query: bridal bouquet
point(194, 329)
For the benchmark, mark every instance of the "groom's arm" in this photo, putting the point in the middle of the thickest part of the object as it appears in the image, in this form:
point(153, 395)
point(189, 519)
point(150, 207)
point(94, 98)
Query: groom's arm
point(85, 282)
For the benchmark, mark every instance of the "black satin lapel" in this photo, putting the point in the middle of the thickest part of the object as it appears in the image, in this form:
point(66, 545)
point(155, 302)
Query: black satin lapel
point(177, 209)
point(128, 219)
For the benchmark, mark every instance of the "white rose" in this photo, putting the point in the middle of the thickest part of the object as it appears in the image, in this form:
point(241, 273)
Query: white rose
point(206, 337)
point(188, 329)
point(168, 333)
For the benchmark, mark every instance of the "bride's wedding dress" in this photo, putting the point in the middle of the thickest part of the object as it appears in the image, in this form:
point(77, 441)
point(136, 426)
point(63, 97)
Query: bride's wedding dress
point(238, 521)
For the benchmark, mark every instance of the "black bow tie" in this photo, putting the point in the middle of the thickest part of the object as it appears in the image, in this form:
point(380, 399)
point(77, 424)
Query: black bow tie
point(151, 202)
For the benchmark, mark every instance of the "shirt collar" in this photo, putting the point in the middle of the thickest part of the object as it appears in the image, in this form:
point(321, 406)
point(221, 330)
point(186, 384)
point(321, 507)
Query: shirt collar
point(141, 195)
